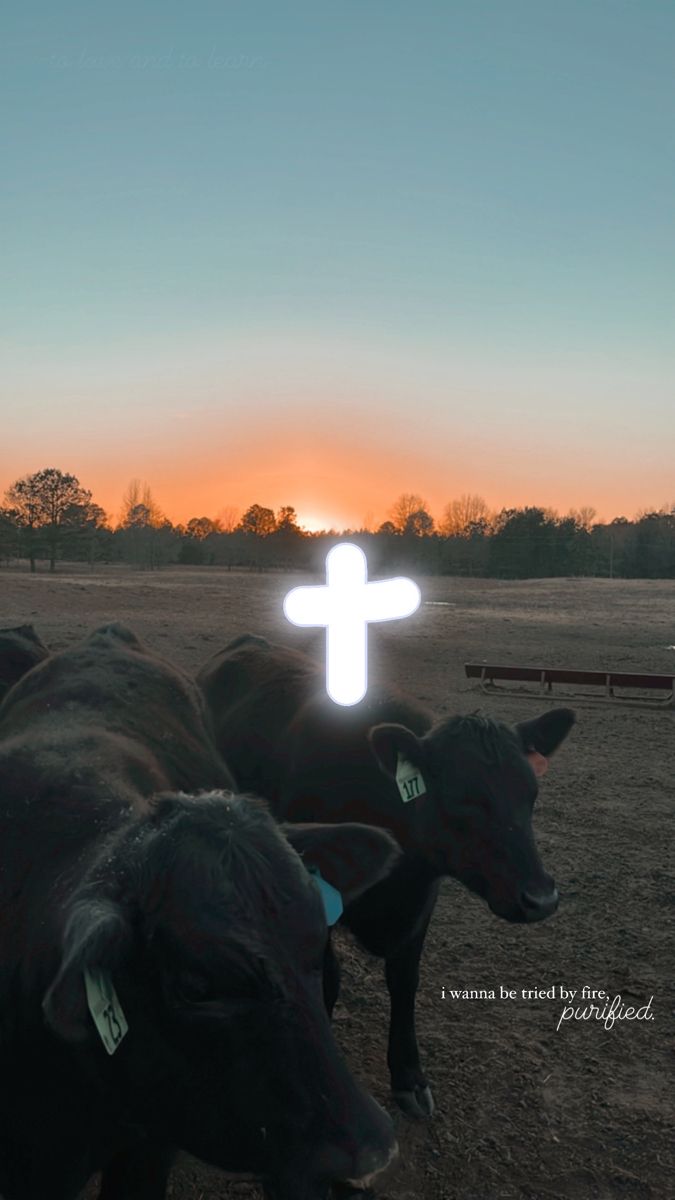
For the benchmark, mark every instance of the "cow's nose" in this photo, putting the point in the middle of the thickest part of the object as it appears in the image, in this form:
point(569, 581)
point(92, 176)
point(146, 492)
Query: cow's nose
point(370, 1162)
point(538, 905)
point(375, 1148)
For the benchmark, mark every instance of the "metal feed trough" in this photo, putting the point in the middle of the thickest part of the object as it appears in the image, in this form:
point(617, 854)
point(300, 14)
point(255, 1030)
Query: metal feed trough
point(546, 677)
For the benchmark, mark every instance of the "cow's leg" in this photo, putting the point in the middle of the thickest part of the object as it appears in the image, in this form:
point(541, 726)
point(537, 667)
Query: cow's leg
point(331, 977)
point(408, 1082)
point(390, 920)
point(140, 1173)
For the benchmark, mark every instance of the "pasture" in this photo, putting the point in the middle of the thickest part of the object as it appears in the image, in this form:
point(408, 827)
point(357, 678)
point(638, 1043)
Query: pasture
point(524, 1111)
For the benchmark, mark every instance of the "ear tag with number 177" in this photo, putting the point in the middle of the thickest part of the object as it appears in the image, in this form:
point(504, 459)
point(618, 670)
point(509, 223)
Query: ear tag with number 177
point(409, 780)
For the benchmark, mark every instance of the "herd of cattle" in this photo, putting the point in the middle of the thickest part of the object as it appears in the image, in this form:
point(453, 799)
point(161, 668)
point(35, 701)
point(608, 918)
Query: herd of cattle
point(169, 849)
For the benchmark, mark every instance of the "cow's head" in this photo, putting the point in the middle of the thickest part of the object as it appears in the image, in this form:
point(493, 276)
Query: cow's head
point(213, 933)
point(475, 818)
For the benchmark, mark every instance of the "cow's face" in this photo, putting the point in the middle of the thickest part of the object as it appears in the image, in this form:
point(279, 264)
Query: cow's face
point(475, 819)
point(213, 934)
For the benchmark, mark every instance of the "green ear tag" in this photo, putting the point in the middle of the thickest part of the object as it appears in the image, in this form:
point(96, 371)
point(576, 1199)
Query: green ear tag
point(105, 1008)
point(409, 780)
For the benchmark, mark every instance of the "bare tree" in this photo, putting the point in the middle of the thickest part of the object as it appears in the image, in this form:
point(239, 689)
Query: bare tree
point(147, 534)
point(139, 506)
point(551, 514)
point(460, 515)
point(583, 517)
point(228, 518)
point(407, 504)
point(42, 500)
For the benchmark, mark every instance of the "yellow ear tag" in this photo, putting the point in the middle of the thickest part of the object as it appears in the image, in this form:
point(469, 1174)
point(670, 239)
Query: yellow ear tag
point(409, 780)
point(105, 1008)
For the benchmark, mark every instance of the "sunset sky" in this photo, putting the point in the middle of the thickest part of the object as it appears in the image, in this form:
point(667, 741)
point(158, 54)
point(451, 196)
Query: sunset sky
point(323, 253)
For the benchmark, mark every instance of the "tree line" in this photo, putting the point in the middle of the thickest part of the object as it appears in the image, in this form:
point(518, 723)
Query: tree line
point(49, 516)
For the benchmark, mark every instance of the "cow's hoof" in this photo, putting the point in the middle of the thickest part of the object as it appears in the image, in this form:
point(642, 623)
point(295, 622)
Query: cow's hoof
point(418, 1103)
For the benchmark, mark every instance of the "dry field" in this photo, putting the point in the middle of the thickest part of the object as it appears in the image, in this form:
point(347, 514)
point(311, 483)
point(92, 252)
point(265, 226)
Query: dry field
point(524, 1112)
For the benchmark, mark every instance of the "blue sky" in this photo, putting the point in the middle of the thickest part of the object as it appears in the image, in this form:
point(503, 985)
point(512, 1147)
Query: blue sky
point(445, 230)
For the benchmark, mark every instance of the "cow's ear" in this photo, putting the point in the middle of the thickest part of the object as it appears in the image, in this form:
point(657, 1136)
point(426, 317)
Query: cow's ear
point(350, 856)
point(97, 937)
point(538, 762)
point(391, 742)
point(543, 735)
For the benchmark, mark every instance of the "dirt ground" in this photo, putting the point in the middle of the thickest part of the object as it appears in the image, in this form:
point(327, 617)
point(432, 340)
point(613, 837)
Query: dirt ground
point(523, 1111)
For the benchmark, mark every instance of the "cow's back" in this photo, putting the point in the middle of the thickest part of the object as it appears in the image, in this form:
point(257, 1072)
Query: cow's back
point(110, 685)
point(253, 691)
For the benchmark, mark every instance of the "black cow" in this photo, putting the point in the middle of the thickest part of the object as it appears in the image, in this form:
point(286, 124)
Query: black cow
point(161, 952)
point(21, 648)
point(461, 805)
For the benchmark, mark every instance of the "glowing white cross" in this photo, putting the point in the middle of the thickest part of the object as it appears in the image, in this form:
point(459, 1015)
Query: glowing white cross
point(345, 605)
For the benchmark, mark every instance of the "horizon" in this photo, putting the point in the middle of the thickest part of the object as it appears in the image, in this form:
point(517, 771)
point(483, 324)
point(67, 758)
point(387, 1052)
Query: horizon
point(311, 522)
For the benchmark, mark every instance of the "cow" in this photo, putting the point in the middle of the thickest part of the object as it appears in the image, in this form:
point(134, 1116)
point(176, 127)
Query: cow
point(21, 648)
point(161, 948)
point(457, 794)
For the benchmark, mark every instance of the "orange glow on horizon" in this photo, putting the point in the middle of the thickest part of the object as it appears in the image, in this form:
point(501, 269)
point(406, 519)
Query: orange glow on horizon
point(316, 524)
point(339, 503)
point(336, 479)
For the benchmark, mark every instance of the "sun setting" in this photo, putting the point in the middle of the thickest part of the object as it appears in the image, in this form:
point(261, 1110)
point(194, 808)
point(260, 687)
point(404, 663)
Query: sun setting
point(317, 524)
